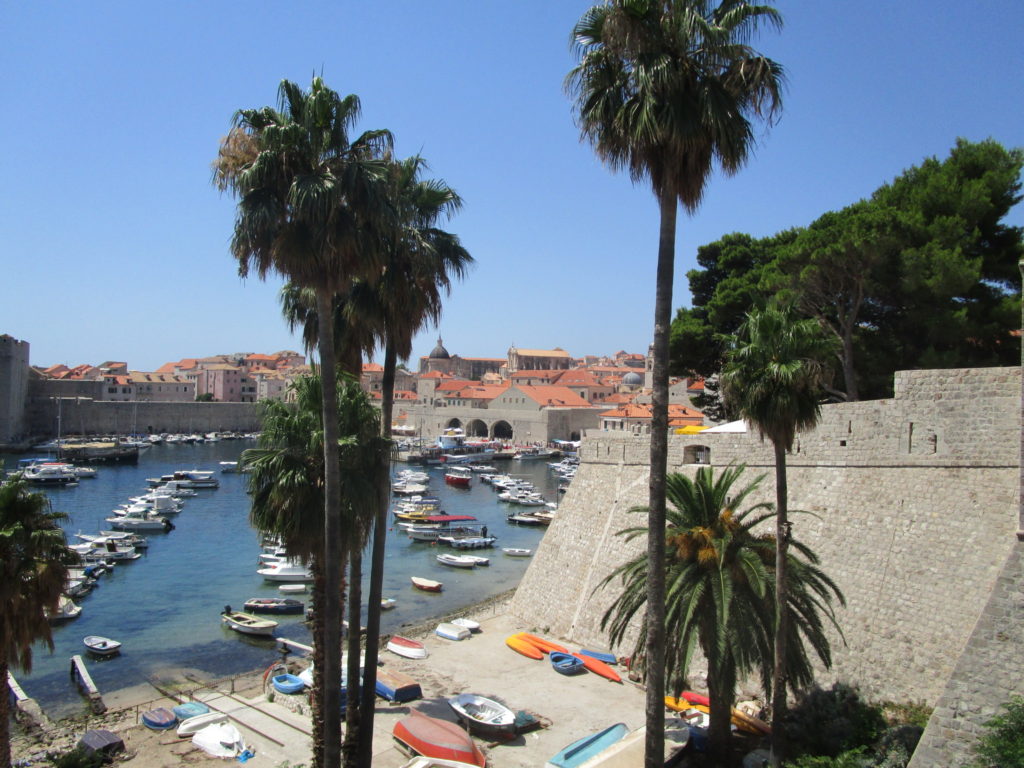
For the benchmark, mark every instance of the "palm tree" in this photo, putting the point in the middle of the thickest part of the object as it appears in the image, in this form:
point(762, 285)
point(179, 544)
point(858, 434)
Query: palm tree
point(286, 483)
point(307, 199)
point(420, 262)
point(721, 592)
point(34, 561)
point(773, 378)
point(664, 88)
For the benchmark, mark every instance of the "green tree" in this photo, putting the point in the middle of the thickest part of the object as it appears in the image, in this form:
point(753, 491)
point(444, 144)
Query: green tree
point(287, 479)
point(34, 561)
point(664, 88)
point(720, 597)
point(1002, 744)
point(773, 377)
point(420, 261)
point(308, 199)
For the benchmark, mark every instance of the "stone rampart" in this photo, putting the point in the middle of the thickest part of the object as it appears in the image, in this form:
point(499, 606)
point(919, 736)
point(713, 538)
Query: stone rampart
point(915, 506)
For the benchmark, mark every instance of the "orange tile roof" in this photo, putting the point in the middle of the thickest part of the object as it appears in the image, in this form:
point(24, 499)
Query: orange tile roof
point(553, 395)
point(579, 377)
point(373, 368)
point(544, 374)
point(695, 386)
point(678, 415)
point(620, 397)
point(255, 356)
point(405, 394)
point(478, 392)
point(437, 375)
point(451, 385)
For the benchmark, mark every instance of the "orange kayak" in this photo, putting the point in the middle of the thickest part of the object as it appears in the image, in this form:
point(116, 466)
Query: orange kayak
point(740, 719)
point(686, 699)
point(598, 667)
point(545, 646)
point(518, 644)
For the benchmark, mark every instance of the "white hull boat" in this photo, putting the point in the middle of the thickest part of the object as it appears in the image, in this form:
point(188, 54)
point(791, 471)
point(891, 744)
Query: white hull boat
point(457, 561)
point(450, 631)
point(101, 646)
point(285, 572)
point(192, 725)
point(248, 624)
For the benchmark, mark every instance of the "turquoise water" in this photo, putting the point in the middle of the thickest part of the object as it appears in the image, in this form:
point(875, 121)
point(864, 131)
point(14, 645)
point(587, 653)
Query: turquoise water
point(165, 607)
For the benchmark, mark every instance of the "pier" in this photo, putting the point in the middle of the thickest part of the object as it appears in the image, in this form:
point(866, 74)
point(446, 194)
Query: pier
point(84, 680)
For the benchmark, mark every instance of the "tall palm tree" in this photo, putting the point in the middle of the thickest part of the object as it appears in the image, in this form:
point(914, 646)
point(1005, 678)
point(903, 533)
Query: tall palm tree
point(720, 597)
point(420, 261)
point(663, 89)
point(286, 484)
point(308, 195)
point(773, 378)
point(34, 561)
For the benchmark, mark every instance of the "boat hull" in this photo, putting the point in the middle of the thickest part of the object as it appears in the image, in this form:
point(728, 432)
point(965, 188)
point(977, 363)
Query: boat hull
point(410, 649)
point(431, 737)
point(483, 717)
point(427, 585)
point(394, 686)
point(580, 751)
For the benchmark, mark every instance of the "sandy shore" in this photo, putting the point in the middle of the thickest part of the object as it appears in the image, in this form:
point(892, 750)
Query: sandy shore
point(570, 706)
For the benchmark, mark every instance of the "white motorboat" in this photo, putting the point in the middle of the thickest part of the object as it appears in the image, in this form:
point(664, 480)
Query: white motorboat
point(102, 646)
point(66, 610)
point(229, 466)
point(457, 561)
point(51, 473)
point(387, 603)
point(89, 472)
point(247, 623)
point(408, 489)
point(139, 522)
point(285, 572)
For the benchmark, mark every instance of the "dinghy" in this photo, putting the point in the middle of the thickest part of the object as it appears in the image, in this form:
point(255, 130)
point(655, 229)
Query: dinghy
point(394, 686)
point(292, 589)
point(159, 719)
point(387, 603)
point(274, 605)
point(404, 646)
point(287, 684)
point(431, 737)
point(457, 561)
point(101, 646)
point(566, 663)
point(581, 750)
point(472, 626)
point(427, 585)
point(450, 631)
point(484, 717)
point(517, 552)
point(247, 623)
point(189, 709)
point(192, 725)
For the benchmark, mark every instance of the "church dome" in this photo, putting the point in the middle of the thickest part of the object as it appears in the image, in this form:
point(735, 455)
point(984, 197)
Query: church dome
point(633, 379)
point(439, 352)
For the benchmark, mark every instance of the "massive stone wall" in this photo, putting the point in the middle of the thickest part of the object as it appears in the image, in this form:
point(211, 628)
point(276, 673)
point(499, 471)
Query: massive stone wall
point(915, 508)
point(98, 417)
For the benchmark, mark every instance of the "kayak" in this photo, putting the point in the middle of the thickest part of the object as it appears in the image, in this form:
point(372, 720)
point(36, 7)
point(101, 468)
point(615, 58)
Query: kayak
point(518, 644)
point(544, 646)
point(598, 667)
point(741, 720)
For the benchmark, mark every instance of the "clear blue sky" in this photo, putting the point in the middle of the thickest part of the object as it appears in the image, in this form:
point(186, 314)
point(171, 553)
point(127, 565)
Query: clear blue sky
point(115, 245)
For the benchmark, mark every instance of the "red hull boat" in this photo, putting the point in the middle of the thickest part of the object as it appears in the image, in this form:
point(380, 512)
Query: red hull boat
point(431, 737)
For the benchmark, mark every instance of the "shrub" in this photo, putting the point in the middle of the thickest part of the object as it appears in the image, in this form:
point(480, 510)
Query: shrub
point(1002, 746)
point(831, 722)
point(79, 758)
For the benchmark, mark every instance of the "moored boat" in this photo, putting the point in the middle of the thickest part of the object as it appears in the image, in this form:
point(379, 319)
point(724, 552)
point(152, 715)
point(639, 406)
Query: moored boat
point(460, 477)
point(482, 716)
point(427, 585)
point(517, 551)
point(101, 646)
point(274, 605)
point(456, 561)
point(285, 572)
point(247, 624)
point(432, 737)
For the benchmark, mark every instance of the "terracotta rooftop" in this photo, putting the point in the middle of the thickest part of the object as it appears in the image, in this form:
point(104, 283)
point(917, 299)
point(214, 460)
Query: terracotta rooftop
point(553, 395)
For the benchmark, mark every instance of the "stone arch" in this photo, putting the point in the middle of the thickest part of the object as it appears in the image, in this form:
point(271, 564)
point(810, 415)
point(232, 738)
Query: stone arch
point(476, 428)
point(697, 454)
point(501, 430)
point(453, 424)
point(574, 436)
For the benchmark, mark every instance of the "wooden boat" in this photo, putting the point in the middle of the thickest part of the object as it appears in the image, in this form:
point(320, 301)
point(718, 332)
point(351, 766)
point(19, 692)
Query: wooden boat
point(450, 631)
point(395, 686)
point(101, 646)
point(472, 626)
point(247, 623)
point(404, 646)
point(274, 605)
point(517, 551)
point(545, 646)
point(159, 719)
point(456, 561)
point(427, 585)
point(484, 717)
point(566, 663)
point(286, 683)
point(607, 658)
point(628, 752)
point(431, 737)
point(189, 709)
point(581, 750)
point(599, 668)
point(190, 726)
point(528, 649)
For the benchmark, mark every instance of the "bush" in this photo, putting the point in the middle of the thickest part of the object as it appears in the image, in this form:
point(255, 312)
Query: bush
point(832, 722)
point(1003, 744)
point(79, 758)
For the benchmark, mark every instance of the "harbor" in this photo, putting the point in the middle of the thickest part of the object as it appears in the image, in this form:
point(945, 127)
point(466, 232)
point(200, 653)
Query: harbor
point(165, 606)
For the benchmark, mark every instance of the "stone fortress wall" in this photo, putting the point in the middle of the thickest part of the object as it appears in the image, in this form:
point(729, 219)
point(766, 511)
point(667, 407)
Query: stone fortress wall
point(915, 503)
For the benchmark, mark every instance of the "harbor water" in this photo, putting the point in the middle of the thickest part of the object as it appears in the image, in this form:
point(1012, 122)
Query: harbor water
point(165, 607)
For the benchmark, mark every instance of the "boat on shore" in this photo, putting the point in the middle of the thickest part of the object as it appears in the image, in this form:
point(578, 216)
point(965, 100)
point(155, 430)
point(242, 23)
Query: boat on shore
point(407, 647)
point(482, 716)
point(581, 750)
point(432, 737)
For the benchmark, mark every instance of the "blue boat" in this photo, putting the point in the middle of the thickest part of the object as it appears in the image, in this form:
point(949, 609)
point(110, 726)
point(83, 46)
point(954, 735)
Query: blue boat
point(190, 709)
point(159, 719)
point(394, 686)
point(566, 663)
point(607, 658)
point(287, 683)
point(583, 749)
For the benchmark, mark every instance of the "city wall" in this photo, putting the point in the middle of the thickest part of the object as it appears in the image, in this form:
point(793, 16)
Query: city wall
point(915, 504)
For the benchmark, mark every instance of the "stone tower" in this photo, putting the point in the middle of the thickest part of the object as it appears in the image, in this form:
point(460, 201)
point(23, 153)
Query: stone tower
point(13, 387)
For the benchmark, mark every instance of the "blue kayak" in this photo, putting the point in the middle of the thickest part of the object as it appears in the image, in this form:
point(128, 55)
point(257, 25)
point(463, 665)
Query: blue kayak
point(607, 658)
point(583, 749)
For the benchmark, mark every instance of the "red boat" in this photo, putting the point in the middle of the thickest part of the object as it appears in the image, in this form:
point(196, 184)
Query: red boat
point(427, 585)
point(431, 737)
point(460, 477)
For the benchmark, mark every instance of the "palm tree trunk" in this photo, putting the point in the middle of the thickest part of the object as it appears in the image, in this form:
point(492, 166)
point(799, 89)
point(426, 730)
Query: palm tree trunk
point(353, 721)
point(317, 570)
point(5, 721)
point(781, 612)
point(333, 577)
point(654, 748)
point(380, 527)
point(721, 685)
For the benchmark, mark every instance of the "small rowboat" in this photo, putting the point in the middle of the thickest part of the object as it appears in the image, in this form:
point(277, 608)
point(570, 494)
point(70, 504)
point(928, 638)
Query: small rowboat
point(518, 644)
point(190, 709)
point(159, 719)
point(517, 552)
point(410, 649)
point(427, 585)
point(544, 646)
point(432, 737)
point(101, 646)
point(274, 605)
point(190, 726)
point(450, 631)
point(484, 717)
point(247, 623)
point(599, 668)
point(566, 663)
point(472, 626)
point(457, 561)
point(395, 686)
point(287, 683)
point(292, 589)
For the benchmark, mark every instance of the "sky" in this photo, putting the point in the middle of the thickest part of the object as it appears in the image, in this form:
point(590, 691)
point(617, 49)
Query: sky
point(114, 243)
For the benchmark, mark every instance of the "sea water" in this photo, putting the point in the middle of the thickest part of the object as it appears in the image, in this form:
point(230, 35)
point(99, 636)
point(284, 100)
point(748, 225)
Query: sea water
point(165, 607)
